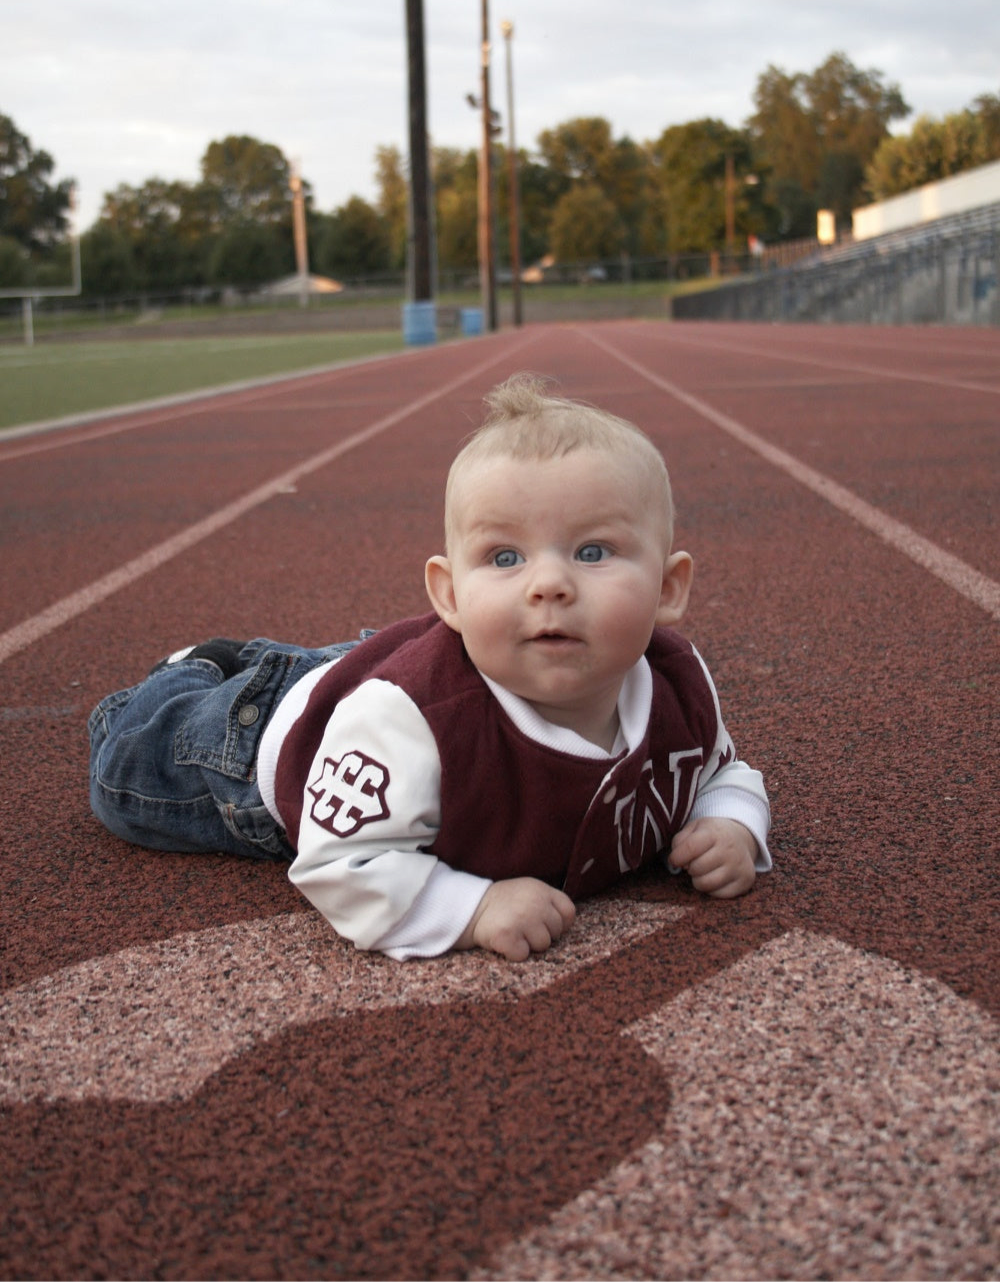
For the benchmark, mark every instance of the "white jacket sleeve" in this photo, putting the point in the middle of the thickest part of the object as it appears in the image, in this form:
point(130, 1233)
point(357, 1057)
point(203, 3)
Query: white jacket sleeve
point(732, 790)
point(370, 804)
point(737, 792)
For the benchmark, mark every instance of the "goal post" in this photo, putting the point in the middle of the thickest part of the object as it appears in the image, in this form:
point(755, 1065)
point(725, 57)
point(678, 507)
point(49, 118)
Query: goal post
point(29, 293)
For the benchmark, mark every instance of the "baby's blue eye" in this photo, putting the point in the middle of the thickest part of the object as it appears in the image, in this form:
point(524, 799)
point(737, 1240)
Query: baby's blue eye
point(592, 552)
point(506, 558)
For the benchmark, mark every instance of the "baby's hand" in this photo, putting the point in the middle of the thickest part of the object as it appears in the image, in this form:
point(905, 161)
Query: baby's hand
point(518, 917)
point(718, 855)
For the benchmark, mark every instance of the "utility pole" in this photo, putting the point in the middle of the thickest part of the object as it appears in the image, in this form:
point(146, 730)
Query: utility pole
point(420, 186)
point(488, 274)
point(299, 235)
point(514, 196)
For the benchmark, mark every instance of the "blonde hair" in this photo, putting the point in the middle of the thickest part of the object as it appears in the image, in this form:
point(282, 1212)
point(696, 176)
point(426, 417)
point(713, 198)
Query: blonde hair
point(526, 422)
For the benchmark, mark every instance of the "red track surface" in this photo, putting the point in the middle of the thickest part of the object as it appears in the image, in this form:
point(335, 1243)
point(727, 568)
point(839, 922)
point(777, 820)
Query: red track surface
point(200, 1081)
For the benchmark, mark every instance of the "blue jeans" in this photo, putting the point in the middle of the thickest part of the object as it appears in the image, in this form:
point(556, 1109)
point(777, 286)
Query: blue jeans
point(173, 761)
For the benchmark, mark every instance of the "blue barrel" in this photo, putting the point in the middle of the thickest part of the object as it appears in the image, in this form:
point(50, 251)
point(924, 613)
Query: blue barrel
point(419, 323)
point(471, 321)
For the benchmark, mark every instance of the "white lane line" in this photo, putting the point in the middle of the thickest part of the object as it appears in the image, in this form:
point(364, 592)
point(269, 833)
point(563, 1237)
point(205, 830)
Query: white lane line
point(852, 367)
point(76, 603)
point(963, 578)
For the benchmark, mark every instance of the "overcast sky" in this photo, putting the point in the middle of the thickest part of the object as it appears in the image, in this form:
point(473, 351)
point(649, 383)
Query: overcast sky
point(125, 90)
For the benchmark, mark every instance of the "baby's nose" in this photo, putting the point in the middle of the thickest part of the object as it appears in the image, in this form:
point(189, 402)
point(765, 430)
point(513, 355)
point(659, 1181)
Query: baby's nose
point(551, 579)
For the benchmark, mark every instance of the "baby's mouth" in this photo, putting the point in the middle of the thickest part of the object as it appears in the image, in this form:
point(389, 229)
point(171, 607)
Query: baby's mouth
point(554, 638)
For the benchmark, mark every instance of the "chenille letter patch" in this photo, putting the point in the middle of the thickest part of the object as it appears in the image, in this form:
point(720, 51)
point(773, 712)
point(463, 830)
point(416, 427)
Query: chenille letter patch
point(349, 793)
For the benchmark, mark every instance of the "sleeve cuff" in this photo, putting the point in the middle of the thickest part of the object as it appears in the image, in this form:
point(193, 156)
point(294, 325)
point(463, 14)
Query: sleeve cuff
point(728, 802)
point(437, 917)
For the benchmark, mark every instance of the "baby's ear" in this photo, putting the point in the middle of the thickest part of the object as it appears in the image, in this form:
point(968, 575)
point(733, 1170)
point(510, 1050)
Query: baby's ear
point(441, 590)
point(676, 586)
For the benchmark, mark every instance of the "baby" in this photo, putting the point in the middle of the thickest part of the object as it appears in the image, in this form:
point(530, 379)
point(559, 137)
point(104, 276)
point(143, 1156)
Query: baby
point(459, 780)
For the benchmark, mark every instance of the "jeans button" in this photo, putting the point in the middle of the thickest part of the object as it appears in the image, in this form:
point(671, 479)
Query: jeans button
point(248, 715)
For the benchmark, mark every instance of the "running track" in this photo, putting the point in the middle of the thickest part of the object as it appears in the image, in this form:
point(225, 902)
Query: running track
point(200, 1081)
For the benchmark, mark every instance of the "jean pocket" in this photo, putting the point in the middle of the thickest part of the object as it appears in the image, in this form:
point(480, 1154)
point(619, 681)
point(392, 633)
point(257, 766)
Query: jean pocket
point(256, 827)
point(100, 720)
point(224, 731)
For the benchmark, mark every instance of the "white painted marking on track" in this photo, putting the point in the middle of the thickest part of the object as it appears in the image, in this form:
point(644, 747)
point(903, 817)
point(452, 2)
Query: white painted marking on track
point(830, 1109)
point(76, 603)
point(154, 1021)
point(851, 367)
point(960, 576)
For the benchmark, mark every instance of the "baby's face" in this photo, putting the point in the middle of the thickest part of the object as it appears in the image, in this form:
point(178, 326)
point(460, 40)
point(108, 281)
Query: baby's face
point(557, 569)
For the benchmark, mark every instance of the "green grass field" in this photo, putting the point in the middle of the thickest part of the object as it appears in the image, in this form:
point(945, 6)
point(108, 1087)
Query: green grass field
point(71, 371)
point(53, 380)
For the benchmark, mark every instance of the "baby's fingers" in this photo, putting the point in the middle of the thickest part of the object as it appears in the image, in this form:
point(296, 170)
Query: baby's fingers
point(555, 919)
point(553, 922)
point(687, 846)
point(723, 875)
point(565, 913)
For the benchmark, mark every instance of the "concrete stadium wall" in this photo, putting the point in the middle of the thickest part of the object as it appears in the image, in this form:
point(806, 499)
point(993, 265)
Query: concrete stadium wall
point(934, 200)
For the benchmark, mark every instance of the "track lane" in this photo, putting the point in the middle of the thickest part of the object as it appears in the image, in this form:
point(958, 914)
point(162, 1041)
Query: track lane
point(697, 1038)
point(24, 556)
point(224, 472)
point(921, 453)
point(963, 578)
point(345, 548)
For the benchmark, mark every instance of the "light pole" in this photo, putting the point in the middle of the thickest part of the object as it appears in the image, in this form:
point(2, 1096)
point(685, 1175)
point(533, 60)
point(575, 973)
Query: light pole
point(488, 277)
point(514, 215)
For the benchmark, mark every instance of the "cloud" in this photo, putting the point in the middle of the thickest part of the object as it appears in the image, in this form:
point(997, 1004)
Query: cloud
point(118, 93)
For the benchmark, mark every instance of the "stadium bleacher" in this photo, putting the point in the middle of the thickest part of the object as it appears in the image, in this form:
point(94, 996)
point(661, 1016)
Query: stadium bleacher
point(941, 272)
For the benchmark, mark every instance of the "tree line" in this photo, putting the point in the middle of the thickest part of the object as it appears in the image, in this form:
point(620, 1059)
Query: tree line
point(817, 140)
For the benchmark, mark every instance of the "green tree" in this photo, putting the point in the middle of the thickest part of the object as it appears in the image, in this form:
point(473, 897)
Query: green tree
point(33, 211)
point(986, 108)
point(55, 269)
point(354, 241)
point(250, 254)
point(15, 265)
point(247, 181)
point(106, 262)
point(935, 149)
point(456, 208)
point(167, 250)
point(627, 183)
point(814, 134)
point(585, 226)
point(690, 164)
point(584, 152)
point(394, 195)
point(540, 190)
point(180, 234)
point(579, 149)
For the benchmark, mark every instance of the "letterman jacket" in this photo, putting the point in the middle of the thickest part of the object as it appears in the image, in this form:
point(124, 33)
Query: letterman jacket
point(408, 782)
